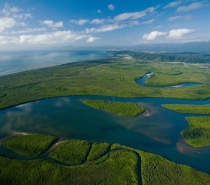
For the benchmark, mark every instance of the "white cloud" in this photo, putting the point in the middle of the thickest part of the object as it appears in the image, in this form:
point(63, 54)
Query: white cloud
point(52, 24)
point(172, 34)
point(192, 6)
point(186, 17)
point(90, 30)
point(14, 12)
point(15, 9)
point(80, 37)
point(120, 21)
point(106, 28)
point(22, 16)
point(111, 27)
point(179, 33)
point(7, 10)
point(57, 37)
point(132, 23)
point(173, 4)
point(153, 35)
point(99, 11)
point(133, 15)
point(97, 21)
point(92, 39)
point(148, 22)
point(23, 24)
point(8, 40)
point(6, 23)
point(110, 7)
point(28, 30)
point(80, 22)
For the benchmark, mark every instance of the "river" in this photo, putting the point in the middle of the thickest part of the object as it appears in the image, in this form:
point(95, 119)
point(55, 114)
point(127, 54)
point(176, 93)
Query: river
point(69, 118)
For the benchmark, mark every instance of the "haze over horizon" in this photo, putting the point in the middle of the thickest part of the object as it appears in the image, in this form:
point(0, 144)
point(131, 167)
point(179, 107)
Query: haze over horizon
point(27, 23)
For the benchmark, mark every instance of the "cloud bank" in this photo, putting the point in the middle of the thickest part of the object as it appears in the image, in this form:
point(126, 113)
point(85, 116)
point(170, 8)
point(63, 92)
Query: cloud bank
point(172, 34)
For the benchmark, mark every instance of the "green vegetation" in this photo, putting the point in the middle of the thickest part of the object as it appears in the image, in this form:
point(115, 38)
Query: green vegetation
point(116, 168)
point(29, 145)
point(120, 165)
point(97, 150)
point(80, 162)
point(72, 152)
point(167, 57)
point(198, 133)
point(188, 108)
point(122, 109)
point(107, 77)
point(158, 170)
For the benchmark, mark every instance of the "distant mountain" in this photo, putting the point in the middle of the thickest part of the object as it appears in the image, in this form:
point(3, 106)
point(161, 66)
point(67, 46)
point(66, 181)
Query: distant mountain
point(188, 57)
point(195, 47)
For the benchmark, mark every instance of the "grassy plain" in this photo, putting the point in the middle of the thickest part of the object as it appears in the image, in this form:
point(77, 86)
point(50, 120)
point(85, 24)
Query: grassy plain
point(120, 165)
point(198, 133)
point(29, 145)
point(188, 108)
point(120, 108)
point(106, 77)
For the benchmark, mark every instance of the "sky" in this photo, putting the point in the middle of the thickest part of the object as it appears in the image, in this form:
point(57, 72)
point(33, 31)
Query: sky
point(45, 23)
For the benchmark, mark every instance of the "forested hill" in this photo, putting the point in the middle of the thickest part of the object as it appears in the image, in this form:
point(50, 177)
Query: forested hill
point(166, 57)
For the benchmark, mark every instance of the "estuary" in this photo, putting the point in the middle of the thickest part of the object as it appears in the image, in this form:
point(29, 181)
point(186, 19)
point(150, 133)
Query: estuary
point(68, 118)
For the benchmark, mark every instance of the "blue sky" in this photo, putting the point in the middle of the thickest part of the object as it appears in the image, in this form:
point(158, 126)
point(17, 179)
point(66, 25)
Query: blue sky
point(27, 23)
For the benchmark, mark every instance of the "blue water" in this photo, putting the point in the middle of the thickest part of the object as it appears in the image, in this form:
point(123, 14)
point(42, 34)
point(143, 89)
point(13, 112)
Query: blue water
point(141, 81)
point(69, 118)
point(12, 62)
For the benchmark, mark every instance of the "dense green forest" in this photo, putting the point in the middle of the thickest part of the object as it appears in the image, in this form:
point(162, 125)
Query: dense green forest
point(116, 164)
point(198, 133)
point(166, 57)
point(120, 108)
point(31, 145)
point(188, 108)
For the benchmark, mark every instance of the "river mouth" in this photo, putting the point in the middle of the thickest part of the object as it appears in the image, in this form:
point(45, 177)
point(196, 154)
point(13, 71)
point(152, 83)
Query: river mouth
point(69, 118)
point(141, 82)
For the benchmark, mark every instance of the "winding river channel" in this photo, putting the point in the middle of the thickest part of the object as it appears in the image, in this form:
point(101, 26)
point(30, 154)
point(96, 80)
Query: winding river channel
point(68, 118)
point(141, 81)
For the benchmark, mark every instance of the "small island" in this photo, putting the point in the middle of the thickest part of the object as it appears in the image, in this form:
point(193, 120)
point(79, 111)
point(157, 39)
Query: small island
point(198, 133)
point(188, 108)
point(120, 108)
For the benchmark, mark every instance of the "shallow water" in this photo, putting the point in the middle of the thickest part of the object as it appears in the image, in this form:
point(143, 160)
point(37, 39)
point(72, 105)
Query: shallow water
point(69, 118)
